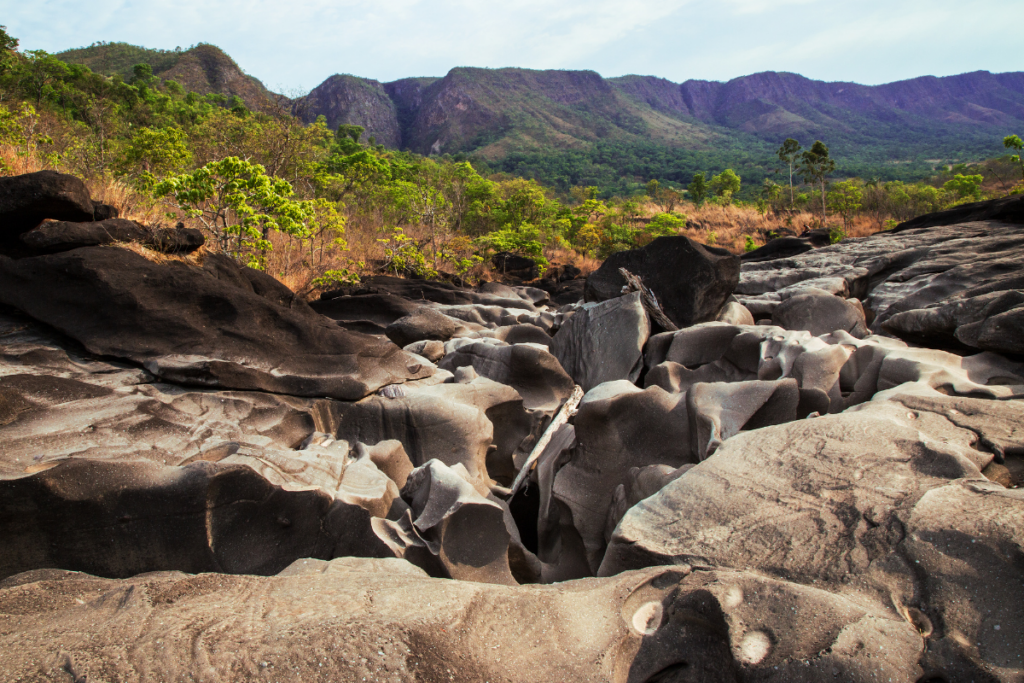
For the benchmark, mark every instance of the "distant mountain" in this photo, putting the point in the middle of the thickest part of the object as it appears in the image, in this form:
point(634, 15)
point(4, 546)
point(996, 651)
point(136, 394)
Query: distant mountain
point(492, 111)
point(348, 99)
point(495, 112)
point(203, 69)
point(576, 127)
point(774, 105)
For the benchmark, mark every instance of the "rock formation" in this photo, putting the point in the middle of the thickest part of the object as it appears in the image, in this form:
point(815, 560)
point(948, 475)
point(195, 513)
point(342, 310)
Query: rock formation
point(202, 477)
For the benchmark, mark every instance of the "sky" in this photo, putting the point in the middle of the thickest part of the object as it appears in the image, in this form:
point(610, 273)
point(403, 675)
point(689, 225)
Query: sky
point(293, 45)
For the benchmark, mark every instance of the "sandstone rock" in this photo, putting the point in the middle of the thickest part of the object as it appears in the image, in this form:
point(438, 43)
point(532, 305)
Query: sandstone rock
point(819, 312)
point(380, 310)
point(216, 327)
point(735, 313)
point(515, 265)
point(720, 410)
point(533, 372)
point(123, 518)
point(460, 525)
point(56, 236)
point(885, 503)
point(603, 342)
point(382, 619)
point(479, 424)
point(691, 281)
point(424, 324)
point(630, 429)
point(431, 349)
point(925, 284)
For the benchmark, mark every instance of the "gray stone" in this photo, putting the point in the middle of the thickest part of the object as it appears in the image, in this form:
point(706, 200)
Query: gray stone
point(603, 342)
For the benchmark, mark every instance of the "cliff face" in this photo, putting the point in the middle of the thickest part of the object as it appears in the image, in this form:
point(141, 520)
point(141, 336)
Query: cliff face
point(348, 99)
point(491, 108)
point(206, 69)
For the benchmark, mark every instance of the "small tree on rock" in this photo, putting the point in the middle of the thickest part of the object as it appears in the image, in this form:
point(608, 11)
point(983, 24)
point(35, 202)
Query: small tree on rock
point(815, 167)
point(789, 155)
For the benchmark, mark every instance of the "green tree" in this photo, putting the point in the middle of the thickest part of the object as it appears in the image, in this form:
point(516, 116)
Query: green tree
point(845, 198)
point(156, 152)
point(698, 188)
point(815, 167)
point(961, 187)
point(725, 185)
point(8, 51)
point(665, 224)
point(1014, 142)
point(239, 204)
point(789, 155)
point(40, 72)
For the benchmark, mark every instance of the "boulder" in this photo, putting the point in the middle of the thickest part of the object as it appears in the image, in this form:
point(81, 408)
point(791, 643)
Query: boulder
point(479, 424)
point(819, 312)
point(691, 281)
point(380, 310)
point(460, 525)
point(934, 286)
point(102, 212)
point(27, 200)
point(215, 326)
point(1004, 210)
point(533, 372)
point(56, 236)
point(626, 429)
point(424, 324)
point(720, 410)
point(735, 313)
point(603, 341)
point(515, 265)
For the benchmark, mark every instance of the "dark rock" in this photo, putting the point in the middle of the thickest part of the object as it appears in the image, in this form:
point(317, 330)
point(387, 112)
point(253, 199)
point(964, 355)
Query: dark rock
point(628, 428)
point(819, 312)
point(27, 200)
point(562, 293)
point(515, 265)
point(691, 281)
point(460, 525)
point(377, 309)
point(217, 326)
point(424, 324)
point(531, 371)
point(56, 236)
point(721, 410)
point(947, 286)
point(1005, 210)
point(603, 341)
point(420, 291)
point(103, 212)
point(783, 247)
point(123, 518)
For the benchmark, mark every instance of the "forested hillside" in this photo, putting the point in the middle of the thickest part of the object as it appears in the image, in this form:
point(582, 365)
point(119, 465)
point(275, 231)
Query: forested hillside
point(203, 69)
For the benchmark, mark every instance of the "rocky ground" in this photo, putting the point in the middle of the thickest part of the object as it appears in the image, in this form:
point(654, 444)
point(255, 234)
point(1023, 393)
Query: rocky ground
point(804, 466)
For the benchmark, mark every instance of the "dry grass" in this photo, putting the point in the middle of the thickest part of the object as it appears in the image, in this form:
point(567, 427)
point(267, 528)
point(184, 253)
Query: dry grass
point(131, 203)
point(193, 259)
point(561, 256)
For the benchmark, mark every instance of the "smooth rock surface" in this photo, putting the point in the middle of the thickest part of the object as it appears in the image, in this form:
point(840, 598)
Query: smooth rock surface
point(603, 342)
point(214, 326)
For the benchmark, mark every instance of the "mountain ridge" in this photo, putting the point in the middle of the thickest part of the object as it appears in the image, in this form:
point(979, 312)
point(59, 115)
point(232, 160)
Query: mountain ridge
point(500, 115)
point(472, 109)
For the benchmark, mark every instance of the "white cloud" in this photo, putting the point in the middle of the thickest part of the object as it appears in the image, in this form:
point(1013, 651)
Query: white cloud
point(304, 41)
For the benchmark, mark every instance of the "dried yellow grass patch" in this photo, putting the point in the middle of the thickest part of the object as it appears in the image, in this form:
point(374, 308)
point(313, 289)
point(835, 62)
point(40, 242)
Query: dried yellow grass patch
point(194, 259)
